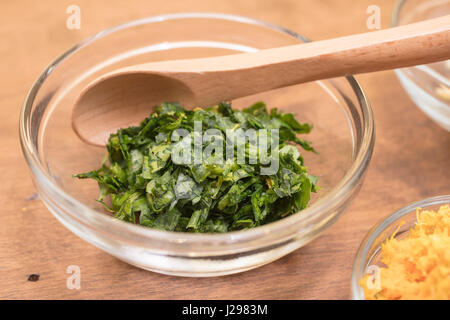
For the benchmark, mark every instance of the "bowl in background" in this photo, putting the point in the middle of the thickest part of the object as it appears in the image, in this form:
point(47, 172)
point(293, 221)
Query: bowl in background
point(343, 134)
point(369, 252)
point(427, 85)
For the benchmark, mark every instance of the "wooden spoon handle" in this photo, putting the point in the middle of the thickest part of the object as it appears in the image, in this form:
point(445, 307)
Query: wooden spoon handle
point(244, 74)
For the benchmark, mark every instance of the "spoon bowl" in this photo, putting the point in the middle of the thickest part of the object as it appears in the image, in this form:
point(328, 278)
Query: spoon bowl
point(109, 99)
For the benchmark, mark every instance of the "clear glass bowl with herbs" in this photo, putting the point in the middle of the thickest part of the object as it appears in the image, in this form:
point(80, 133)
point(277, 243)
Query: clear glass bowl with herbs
point(343, 135)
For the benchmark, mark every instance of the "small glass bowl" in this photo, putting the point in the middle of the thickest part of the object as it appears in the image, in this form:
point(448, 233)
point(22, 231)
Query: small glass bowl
point(369, 252)
point(427, 85)
point(343, 133)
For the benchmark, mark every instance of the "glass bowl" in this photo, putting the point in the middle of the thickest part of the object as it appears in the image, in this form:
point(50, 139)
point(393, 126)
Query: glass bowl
point(368, 255)
point(343, 134)
point(427, 85)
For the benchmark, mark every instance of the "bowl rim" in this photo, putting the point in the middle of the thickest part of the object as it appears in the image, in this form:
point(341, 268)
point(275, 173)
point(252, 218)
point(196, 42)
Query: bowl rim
point(315, 211)
point(395, 22)
point(379, 228)
point(398, 6)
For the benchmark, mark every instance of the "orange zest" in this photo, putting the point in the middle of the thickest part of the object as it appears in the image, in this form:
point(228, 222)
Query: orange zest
point(418, 266)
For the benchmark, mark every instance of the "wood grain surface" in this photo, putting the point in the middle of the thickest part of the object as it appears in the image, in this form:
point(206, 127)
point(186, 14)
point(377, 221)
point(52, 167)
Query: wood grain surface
point(411, 161)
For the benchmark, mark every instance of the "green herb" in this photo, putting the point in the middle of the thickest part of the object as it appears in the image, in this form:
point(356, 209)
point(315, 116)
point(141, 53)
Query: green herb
point(143, 181)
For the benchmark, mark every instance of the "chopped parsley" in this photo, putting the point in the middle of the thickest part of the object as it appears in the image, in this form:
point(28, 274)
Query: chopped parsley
point(165, 174)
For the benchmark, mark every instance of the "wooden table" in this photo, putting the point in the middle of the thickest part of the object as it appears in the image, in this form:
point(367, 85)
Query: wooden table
point(411, 161)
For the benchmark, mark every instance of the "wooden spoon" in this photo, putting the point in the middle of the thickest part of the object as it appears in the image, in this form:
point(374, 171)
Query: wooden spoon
point(126, 96)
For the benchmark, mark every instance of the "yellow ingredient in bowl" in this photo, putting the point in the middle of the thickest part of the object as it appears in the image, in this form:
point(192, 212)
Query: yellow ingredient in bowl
point(443, 92)
point(417, 267)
